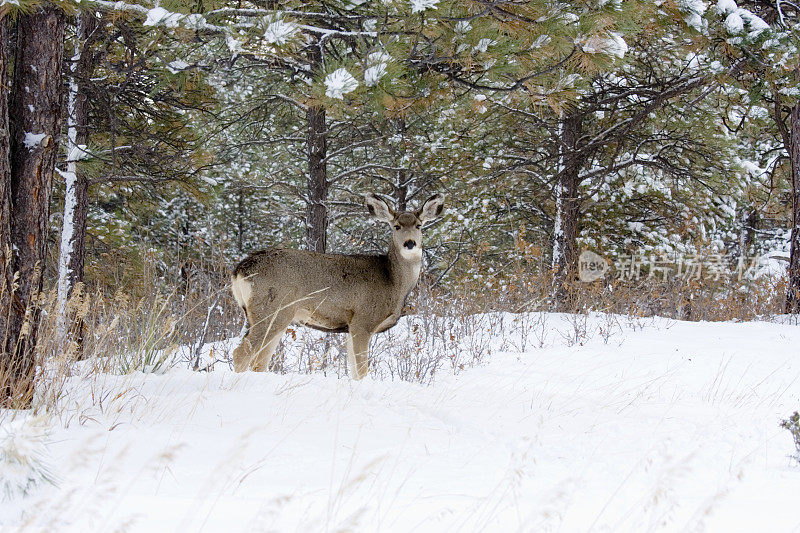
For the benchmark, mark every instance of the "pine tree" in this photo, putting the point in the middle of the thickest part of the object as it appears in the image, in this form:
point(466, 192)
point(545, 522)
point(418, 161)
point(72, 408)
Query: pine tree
point(760, 39)
point(35, 112)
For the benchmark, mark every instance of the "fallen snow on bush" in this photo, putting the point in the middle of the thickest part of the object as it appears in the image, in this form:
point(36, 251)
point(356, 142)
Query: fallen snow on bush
point(572, 423)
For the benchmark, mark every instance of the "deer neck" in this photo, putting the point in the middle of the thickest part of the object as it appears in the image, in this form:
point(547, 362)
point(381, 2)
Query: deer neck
point(404, 268)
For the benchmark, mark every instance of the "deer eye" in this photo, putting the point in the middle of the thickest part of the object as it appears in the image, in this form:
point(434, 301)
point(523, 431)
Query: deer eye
point(397, 226)
point(419, 226)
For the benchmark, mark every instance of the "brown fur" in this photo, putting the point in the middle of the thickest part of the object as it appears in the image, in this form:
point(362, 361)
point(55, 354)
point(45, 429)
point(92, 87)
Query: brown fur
point(357, 294)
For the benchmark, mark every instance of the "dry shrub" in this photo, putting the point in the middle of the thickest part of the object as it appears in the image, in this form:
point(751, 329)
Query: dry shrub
point(452, 326)
point(726, 298)
point(119, 333)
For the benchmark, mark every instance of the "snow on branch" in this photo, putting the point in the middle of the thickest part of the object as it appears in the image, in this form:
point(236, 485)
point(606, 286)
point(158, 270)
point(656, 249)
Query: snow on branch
point(338, 83)
point(158, 16)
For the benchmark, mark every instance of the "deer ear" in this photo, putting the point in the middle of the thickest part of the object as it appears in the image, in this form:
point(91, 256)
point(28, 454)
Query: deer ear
point(378, 208)
point(432, 208)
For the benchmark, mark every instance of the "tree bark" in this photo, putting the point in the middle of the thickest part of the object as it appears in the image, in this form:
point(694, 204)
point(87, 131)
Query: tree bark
point(568, 202)
point(793, 290)
point(403, 178)
point(317, 182)
point(401, 190)
point(76, 197)
point(240, 220)
point(6, 259)
point(35, 112)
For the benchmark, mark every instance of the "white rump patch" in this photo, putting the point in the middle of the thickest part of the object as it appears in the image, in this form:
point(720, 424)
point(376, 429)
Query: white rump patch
point(242, 290)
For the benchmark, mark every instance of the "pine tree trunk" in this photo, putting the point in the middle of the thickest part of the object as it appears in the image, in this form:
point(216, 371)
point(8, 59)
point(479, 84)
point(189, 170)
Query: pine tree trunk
point(6, 267)
point(35, 110)
point(240, 220)
point(317, 182)
point(76, 198)
point(401, 190)
point(793, 292)
point(403, 178)
point(71, 259)
point(565, 230)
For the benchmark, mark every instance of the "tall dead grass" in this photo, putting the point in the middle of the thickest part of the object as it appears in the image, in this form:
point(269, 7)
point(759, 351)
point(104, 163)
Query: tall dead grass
point(525, 288)
point(450, 327)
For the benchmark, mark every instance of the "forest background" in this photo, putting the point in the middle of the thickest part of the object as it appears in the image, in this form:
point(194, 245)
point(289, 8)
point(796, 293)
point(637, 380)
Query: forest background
point(145, 148)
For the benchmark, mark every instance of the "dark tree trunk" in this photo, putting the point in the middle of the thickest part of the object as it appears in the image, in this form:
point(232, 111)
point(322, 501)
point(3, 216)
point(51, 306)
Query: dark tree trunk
point(35, 109)
point(317, 182)
point(6, 267)
point(86, 26)
point(565, 253)
point(401, 190)
point(239, 220)
point(81, 72)
point(79, 239)
point(752, 223)
point(403, 178)
point(75, 265)
point(793, 292)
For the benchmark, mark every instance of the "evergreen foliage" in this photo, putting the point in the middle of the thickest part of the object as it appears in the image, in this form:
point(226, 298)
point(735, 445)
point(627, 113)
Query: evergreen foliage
point(198, 145)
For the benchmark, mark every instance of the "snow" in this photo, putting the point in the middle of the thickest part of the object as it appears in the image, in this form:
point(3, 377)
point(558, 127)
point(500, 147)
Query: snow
point(75, 153)
point(195, 20)
point(462, 27)
point(66, 248)
point(573, 423)
point(770, 265)
point(78, 152)
point(480, 106)
point(726, 6)
point(23, 456)
point(32, 140)
point(280, 32)
point(234, 46)
point(377, 66)
point(483, 45)
point(160, 16)
point(373, 74)
point(612, 44)
point(734, 23)
point(756, 23)
point(737, 17)
point(418, 6)
point(178, 65)
point(694, 10)
point(338, 83)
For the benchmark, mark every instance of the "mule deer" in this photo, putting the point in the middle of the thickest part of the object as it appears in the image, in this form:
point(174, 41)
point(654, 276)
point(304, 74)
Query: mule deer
point(357, 294)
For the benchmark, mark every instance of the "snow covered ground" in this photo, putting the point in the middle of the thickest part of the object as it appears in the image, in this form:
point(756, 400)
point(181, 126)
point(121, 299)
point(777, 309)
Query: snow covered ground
point(599, 424)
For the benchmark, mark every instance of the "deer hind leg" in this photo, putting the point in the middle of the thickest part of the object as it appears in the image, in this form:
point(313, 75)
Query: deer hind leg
point(262, 339)
point(241, 355)
point(358, 351)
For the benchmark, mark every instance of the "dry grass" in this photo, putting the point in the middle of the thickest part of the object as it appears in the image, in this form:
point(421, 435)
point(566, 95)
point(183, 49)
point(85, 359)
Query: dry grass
point(708, 299)
point(451, 328)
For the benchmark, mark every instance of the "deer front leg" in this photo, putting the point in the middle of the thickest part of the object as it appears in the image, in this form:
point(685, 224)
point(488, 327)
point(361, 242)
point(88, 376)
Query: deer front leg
point(358, 351)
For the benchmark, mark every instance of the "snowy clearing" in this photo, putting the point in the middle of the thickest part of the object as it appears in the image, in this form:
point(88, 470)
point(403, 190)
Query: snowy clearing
point(626, 425)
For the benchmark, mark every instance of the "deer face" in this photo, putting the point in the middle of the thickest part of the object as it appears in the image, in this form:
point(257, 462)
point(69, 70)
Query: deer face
point(407, 235)
point(406, 225)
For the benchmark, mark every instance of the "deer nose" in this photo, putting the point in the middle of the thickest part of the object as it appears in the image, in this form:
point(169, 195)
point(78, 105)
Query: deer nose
point(410, 244)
